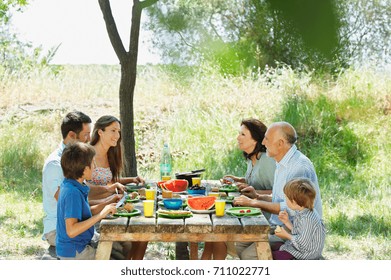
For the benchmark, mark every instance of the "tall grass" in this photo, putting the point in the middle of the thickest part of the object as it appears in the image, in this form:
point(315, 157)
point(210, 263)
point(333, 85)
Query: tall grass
point(341, 122)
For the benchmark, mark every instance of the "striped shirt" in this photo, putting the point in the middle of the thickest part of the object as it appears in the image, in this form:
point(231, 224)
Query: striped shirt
point(293, 165)
point(308, 236)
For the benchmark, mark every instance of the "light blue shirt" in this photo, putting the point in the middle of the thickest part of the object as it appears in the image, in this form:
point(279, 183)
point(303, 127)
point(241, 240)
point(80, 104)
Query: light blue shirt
point(52, 177)
point(293, 165)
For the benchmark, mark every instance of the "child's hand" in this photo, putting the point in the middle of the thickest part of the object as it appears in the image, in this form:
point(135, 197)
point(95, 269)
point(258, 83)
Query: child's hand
point(283, 216)
point(283, 233)
point(109, 209)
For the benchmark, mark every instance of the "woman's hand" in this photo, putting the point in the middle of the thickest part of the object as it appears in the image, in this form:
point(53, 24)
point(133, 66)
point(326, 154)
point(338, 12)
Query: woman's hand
point(116, 188)
point(247, 190)
point(139, 180)
point(228, 179)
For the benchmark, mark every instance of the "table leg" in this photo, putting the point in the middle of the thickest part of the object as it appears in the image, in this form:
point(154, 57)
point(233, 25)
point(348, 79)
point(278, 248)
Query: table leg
point(263, 250)
point(104, 250)
point(193, 250)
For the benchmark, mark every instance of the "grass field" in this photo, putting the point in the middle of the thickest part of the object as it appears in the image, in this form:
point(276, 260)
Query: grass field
point(343, 124)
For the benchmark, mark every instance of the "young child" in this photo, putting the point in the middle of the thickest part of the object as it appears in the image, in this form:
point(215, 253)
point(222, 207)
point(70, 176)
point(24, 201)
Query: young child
point(306, 240)
point(75, 223)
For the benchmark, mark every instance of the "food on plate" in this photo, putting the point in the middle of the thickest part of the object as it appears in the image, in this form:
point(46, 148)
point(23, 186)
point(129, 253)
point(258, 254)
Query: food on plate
point(222, 194)
point(241, 211)
point(141, 192)
point(166, 194)
point(174, 212)
point(201, 202)
point(129, 207)
point(278, 229)
point(231, 188)
point(133, 195)
point(175, 185)
point(214, 189)
point(126, 208)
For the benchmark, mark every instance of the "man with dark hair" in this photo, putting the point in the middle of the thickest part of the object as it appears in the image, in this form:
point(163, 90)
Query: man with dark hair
point(75, 127)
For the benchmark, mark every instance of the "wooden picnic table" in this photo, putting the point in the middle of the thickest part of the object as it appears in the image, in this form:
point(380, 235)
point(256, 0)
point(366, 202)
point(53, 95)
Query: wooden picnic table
point(198, 228)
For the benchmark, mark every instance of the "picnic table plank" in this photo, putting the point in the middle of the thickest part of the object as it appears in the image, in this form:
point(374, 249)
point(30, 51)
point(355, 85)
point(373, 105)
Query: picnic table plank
point(199, 223)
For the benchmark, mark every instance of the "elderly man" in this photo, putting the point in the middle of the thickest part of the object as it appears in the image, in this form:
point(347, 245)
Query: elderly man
point(280, 139)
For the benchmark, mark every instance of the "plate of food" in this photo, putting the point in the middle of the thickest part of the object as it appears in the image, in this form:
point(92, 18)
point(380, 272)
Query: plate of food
point(174, 214)
point(243, 211)
point(228, 199)
point(126, 213)
point(133, 197)
point(229, 188)
point(209, 211)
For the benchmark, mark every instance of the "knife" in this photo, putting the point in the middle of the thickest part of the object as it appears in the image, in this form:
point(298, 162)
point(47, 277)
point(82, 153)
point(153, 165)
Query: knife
point(122, 200)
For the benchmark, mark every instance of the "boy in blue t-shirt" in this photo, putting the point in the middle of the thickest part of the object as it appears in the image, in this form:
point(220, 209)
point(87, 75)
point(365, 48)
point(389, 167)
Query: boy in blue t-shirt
point(75, 220)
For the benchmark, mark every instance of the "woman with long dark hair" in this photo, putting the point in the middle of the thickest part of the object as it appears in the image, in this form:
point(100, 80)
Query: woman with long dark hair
point(107, 168)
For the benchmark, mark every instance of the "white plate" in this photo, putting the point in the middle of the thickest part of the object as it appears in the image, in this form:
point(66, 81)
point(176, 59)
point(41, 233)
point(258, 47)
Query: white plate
point(203, 211)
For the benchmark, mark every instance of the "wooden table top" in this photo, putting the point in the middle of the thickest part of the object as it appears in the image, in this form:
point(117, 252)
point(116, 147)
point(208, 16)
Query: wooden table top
point(197, 224)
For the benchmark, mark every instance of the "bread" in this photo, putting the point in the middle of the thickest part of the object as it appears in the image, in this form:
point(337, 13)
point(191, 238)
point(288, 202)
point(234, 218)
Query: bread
point(129, 207)
point(278, 229)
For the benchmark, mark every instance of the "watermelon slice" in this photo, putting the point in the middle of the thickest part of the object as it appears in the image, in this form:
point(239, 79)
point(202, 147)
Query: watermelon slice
point(174, 185)
point(201, 202)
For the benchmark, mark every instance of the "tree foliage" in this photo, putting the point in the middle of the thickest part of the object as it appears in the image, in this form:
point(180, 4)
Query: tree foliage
point(236, 35)
point(17, 56)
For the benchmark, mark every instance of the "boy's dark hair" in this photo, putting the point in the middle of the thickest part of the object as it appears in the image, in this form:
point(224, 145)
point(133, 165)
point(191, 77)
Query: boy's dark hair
point(302, 191)
point(75, 158)
point(74, 121)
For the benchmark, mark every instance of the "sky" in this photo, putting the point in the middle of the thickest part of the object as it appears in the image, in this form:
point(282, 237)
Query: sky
point(79, 27)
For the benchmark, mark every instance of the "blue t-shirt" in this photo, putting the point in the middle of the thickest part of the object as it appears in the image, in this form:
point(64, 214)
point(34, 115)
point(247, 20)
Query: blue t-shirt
point(72, 203)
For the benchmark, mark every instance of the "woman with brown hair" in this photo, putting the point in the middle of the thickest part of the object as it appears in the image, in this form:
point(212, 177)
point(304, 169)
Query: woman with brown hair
point(259, 176)
point(107, 168)
point(260, 167)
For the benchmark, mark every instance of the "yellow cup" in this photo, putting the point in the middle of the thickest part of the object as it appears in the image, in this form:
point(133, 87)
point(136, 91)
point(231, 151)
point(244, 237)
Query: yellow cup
point(148, 207)
point(220, 207)
point(150, 194)
point(196, 181)
point(216, 194)
point(166, 178)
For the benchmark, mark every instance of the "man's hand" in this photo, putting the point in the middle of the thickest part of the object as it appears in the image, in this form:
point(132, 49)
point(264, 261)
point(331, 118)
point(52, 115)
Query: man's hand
point(242, 201)
point(247, 190)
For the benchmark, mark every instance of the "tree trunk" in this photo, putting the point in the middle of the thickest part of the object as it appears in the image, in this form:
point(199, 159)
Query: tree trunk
point(128, 61)
point(126, 93)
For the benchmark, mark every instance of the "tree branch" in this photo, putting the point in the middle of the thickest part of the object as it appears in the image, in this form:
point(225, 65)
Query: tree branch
point(112, 30)
point(147, 3)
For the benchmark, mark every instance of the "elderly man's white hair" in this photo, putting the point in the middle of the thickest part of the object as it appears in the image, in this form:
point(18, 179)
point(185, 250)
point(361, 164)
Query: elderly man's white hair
point(287, 131)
